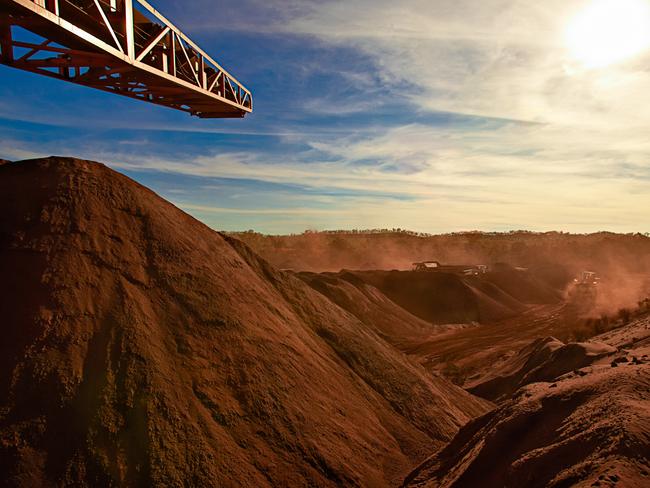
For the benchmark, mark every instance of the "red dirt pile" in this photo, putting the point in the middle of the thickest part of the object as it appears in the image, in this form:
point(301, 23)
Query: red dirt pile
point(441, 298)
point(447, 298)
point(589, 428)
point(142, 348)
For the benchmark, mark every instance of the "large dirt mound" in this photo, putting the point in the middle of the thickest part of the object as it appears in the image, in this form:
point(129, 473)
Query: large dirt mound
point(590, 427)
point(439, 298)
point(445, 298)
point(142, 348)
point(526, 286)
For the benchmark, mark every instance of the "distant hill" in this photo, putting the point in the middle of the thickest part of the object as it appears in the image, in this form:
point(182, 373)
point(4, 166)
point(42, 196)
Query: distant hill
point(437, 298)
point(333, 251)
point(141, 348)
point(621, 260)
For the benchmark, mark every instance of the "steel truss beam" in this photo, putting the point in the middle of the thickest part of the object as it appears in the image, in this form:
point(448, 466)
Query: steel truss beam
point(120, 46)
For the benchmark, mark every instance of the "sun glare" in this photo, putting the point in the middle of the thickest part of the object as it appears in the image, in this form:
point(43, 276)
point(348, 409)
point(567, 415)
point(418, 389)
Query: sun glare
point(609, 32)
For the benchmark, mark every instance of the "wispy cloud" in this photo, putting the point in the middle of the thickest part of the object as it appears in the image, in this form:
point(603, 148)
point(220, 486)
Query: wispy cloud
point(258, 211)
point(433, 115)
point(495, 58)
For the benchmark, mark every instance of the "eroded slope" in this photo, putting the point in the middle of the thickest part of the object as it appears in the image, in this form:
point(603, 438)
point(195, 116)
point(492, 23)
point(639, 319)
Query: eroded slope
point(142, 348)
point(587, 428)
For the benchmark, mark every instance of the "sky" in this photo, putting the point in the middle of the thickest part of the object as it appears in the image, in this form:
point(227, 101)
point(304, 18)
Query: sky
point(429, 115)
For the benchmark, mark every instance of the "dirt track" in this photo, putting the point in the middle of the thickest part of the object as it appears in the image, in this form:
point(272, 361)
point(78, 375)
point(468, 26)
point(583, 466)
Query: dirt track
point(588, 427)
point(472, 349)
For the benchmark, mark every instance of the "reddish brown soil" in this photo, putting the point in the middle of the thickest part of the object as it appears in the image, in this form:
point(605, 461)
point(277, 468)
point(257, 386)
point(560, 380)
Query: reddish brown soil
point(446, 298)
point(442, 298)
point(142, 348)
point(554, 256)
point(472, 352)
point(588, 428)
point(543, 360)
point(621, 260)
point(371, 306)
point(491, 360)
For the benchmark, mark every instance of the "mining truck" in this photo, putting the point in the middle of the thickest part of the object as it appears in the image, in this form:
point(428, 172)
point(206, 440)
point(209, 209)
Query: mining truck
point(583, 293)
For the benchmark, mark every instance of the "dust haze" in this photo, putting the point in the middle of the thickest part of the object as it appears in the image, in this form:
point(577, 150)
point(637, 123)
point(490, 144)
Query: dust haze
point(621, 262)
point(142, 348)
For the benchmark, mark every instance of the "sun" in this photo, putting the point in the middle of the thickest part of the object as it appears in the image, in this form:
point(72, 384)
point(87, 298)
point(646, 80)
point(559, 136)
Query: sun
point(609, 32)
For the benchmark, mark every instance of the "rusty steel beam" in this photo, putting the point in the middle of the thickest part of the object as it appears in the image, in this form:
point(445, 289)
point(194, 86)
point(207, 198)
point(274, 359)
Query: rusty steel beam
point(120, 46)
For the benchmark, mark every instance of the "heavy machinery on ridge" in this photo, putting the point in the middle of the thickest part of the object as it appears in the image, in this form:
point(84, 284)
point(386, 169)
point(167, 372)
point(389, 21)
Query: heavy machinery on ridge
point(462, 269)
point(583, 292)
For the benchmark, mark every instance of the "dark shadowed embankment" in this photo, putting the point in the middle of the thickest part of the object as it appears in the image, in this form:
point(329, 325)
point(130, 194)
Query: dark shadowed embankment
point(142, 348)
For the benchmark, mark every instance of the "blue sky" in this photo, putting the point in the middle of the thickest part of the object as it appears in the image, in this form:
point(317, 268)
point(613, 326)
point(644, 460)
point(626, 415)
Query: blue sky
point(434, 115)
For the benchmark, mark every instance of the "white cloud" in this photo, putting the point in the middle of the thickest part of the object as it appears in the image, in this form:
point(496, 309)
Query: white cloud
point(14, 150)
point(258, 211)
point(561, 146)
point(512, 176)
point(490, 178)
point(494, 58)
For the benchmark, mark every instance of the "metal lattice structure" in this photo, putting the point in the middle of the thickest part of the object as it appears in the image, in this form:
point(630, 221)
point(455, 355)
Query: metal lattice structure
point(120, 46)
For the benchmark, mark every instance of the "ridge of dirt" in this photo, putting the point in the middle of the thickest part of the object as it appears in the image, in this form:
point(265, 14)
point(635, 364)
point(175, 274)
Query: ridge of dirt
point(586, 428)
point(447, 298)
point(141, 347)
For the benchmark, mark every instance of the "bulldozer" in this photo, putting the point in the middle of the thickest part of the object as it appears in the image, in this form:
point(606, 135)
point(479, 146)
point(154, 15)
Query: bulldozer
point(588, 278)
point(583, 292)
